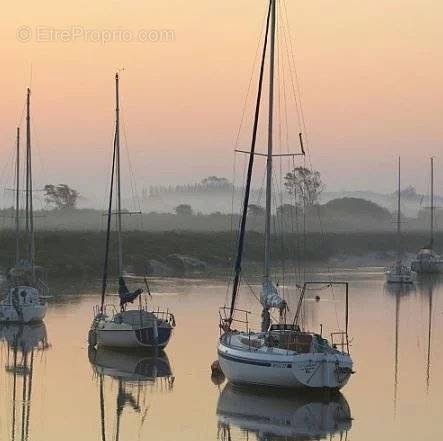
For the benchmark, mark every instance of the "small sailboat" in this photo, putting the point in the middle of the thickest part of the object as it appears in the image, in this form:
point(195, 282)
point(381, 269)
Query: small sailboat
point(25, 300)
point(427, 260)
point(135, 328)
point(281, 354)
point(398, 272)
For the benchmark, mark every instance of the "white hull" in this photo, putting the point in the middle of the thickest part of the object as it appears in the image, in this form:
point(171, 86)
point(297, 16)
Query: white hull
point(22, 304)
point(131, 329)
point(279, 368)
point(123, 339)
point(29, 313)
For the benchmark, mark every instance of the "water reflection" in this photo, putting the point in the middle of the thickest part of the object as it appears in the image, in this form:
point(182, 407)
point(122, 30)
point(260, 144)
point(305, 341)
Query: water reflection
point(135, 374)
point(20, 343)
point(425, 288)
point(270, 415)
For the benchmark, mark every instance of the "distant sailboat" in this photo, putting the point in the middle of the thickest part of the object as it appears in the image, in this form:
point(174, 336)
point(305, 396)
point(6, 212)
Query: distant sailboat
point(25, 301)
point(281, 354)
point(137, 328)
point(427, 260)
point(398, 272)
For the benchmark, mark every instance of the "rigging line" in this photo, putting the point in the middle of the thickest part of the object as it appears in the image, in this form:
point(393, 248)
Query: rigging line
point(286, 37)
point(254, 65)
point(297, 90)
point(133, 181)
point(297, 82)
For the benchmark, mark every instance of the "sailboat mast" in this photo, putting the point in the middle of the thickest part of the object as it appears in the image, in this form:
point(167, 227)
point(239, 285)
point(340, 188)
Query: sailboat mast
point(241, 237)
point(431, 242)
point(29, 201)
point(118, 176)
point(267, 269)
point(398, 210)
point(17, 199)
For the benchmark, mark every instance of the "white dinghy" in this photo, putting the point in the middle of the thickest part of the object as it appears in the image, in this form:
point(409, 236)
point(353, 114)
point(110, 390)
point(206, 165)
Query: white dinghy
point(137, 328)
point(281, 354)
point(24, 300)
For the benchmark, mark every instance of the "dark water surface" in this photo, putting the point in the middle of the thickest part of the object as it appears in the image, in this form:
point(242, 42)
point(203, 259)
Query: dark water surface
point(53, 388)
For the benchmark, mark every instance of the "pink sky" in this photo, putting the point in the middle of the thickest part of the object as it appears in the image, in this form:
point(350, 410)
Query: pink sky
point(371, 77)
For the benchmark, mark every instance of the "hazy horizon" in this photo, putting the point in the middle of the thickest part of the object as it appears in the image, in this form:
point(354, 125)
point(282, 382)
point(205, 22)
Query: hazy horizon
point(370, 81)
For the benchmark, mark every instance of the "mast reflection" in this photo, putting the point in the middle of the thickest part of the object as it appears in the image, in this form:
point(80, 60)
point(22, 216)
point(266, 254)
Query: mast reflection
point(270, 415)
point(136, 374)
point(22, 342)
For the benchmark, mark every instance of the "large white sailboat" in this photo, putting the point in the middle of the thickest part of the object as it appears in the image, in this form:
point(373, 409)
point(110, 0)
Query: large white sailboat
point(427, 260)
point(135, 328)
point(25, 299)
point(398, 272)
point(281, 354)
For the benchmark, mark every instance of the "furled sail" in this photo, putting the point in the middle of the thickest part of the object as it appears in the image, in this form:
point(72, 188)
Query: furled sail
point(270, 297)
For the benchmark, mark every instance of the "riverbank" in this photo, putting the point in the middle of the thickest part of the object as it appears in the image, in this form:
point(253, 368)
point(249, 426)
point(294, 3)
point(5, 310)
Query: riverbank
point(80, 254)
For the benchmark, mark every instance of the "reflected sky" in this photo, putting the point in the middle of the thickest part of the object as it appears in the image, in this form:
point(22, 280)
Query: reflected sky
point(52, 387)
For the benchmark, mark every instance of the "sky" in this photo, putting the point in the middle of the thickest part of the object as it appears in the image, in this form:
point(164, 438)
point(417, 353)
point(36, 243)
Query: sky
point(369, 74)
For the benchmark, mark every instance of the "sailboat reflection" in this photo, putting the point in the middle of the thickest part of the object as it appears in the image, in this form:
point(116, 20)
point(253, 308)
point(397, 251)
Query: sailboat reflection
point(268, 416)
point(22, 342)
point(135, 374)
point(427, 286)
point(427, 289)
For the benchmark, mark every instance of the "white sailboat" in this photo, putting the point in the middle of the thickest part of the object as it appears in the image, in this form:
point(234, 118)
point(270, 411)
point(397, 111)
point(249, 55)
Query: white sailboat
point(427, 260)
point(398, 272)
point(281, 354)
point(24, 300)
point(136, 328)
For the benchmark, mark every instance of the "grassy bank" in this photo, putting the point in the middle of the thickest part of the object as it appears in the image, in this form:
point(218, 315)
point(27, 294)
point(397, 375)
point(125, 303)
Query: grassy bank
point(81, 253)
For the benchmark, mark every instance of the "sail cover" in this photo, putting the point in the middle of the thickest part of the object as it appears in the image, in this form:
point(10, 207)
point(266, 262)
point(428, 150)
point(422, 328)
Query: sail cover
point(270, 297)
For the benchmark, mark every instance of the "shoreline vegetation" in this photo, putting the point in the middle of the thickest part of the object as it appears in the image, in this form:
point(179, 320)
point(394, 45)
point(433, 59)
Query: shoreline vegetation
point(185, 253)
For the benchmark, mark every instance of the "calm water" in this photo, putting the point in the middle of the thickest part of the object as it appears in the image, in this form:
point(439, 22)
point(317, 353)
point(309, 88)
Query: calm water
point(59, 391)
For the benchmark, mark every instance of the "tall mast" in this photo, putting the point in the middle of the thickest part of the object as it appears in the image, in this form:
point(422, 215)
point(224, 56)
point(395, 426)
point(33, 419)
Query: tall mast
point(431, 242)
point(398, 210)
point(118, 173)
point(17, 199)
point(267, 269)
point(241, 237)
point(29, 202)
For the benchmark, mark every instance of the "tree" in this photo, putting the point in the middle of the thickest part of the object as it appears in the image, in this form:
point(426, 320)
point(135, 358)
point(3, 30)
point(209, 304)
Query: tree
point(183, 210)
point(305, 185)
point(61, 196)
point(256, 210)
